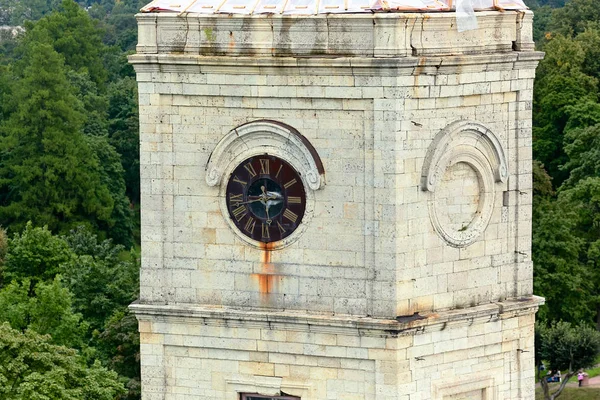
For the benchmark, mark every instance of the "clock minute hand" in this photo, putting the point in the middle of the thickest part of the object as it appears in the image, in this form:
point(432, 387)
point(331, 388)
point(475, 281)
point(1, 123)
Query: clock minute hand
point(250, 201)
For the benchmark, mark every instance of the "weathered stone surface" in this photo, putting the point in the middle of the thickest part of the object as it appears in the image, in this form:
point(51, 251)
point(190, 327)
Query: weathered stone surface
point(423, 207)
point(357, 35)
point(215, 353)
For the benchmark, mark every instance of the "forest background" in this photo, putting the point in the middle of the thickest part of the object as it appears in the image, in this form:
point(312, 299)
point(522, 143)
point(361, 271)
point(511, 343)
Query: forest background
point(69, 189)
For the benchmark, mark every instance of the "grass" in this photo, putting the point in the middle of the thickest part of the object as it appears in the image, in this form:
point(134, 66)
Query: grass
point(576, 393)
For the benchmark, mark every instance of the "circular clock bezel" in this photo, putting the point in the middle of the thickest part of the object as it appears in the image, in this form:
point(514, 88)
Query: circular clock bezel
point(304, 213)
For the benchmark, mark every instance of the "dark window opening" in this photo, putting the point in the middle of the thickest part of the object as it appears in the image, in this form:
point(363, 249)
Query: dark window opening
point(249, 396)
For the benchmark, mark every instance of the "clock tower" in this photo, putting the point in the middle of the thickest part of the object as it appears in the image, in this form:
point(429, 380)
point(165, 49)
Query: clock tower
point(335, 206)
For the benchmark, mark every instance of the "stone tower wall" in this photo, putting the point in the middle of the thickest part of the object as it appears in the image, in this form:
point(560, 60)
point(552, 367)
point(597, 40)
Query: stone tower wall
point(411, 275)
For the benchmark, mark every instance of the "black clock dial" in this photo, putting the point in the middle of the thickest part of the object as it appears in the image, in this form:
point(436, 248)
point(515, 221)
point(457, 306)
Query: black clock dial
point(265, 198)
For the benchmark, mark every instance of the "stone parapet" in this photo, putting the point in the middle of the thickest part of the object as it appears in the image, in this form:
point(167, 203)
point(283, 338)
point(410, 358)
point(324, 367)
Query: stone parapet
point(377, 35)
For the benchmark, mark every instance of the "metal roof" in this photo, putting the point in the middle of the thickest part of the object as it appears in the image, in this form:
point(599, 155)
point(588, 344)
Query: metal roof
point(311, 7)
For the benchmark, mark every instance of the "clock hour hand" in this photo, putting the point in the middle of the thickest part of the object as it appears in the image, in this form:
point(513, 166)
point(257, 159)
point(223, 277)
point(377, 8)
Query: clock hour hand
point(267, 211)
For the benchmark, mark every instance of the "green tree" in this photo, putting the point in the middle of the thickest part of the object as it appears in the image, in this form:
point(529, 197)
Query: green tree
point(76, 36)
point(105, 281)
point(565, 347)
point(582, 146)
point(575, 17)
point(3, 251)
point(35, 254)
point(119, 343)
point(86, 307)
point(31, 368)
point(541, 3)
point(124, 131)
point(559, 274)
point(120, 224)
point(48, 310)
point(95, 104)
point(100, 280)
point(49, 174)
point(542, 183)
point(17, 12)
point(584, 199)
point(560, 87)
point(590, 42)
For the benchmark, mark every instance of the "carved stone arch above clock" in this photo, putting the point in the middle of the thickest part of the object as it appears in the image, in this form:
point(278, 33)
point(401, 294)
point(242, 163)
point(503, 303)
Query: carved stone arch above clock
point(464, 167)
point(468, 137)
point(266, 137)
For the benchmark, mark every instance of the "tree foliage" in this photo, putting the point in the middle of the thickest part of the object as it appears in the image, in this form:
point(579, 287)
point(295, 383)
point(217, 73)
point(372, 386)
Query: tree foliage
point(59, 167)
point(559, 274)
point(49, 174)
point(101, 282)
point(75, 288)
point(75, 36)
point(566, 226)
point(32, 368)
point(35, 254)
point(565, 347)
point(123, 131)
point(69, 151)
point(45, 309)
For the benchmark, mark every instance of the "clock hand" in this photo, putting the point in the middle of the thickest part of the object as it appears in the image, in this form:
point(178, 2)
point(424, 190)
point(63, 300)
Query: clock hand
point(250, 201)
point(267, 211)
point(262, 198)
point(266, 199)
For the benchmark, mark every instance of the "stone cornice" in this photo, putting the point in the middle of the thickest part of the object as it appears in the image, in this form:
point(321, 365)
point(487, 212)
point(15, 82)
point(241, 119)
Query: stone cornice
point(334, 66)
point(336, 324)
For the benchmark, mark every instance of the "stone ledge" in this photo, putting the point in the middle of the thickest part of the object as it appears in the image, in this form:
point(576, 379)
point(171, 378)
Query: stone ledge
point(184, 63)
point(337, 324)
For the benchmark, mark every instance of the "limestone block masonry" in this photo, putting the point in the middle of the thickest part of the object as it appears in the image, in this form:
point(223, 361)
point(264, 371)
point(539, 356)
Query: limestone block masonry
point(409, 276)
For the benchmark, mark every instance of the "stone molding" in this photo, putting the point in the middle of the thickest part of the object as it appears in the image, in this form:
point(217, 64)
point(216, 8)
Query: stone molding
point(472, 143)
point(372, 35)
point(359, 66)
point(269, 386)
point(472, 138)
point(264, 136)
point(467, 383)
point(337, 324)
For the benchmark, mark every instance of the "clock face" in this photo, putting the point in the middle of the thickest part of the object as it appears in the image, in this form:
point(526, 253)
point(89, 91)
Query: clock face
point(265, 198)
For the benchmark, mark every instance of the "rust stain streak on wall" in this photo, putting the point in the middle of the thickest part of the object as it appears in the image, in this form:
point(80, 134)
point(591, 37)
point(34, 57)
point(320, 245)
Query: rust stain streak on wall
point(267, 277)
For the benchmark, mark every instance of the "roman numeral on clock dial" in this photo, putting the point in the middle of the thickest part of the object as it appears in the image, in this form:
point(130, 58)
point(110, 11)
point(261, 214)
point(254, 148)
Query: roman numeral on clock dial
point(240, 213)
point(290, 183)
point(250, 224)
point(290, 215)
point(294, 200)
point(250, 169)
point(282, 230)
point(236, 200)
point(238, 180)
point(264, 166)
point(265, 231)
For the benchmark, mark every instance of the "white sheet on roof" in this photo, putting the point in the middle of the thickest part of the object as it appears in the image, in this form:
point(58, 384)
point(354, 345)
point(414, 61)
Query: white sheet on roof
point(309, 7)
